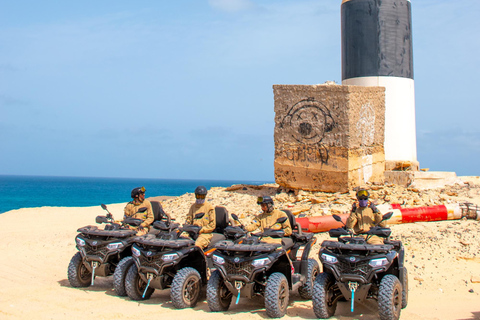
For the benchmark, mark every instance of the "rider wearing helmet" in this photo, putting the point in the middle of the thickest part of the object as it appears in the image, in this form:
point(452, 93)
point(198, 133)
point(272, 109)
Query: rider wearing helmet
point(207, 221)
point(131, 210)
point(364, 216)
point(268, 220)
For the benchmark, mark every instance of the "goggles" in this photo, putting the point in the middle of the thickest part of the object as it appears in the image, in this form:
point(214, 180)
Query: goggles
point(362, 193)
point(142, 189)
point(200, 196)
point(259, 200)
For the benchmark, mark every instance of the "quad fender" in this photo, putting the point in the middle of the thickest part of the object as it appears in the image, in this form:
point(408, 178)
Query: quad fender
point(395, 269)
point(197, 260)
point(283, 266)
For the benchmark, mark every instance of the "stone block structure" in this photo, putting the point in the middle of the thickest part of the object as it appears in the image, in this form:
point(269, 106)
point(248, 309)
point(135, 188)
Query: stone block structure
point(329, 137)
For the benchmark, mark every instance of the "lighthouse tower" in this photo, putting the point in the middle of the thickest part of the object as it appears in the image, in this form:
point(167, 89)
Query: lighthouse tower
point(377, 51)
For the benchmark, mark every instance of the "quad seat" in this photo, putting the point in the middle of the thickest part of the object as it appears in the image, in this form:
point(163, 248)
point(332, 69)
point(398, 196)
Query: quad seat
point(158, 212)
point(221, 222)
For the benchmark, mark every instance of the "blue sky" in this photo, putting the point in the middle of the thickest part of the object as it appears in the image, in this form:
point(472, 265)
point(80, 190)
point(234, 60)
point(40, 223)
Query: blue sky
point(183, 89)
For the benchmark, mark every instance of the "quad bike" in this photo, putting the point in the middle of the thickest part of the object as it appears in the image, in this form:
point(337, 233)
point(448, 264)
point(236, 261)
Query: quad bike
point(354, 270)
point(249, 268)
point(100, 250)
point(162, 222)
point(169, 260)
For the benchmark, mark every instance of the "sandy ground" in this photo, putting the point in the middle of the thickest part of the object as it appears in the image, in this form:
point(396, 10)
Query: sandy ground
point(443, 259)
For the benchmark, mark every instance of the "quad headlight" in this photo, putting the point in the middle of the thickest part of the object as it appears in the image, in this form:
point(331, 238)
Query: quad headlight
point(115, 246)
point(378, 262)
point(135, 252)
point(260, 262)
point(328, 258)
point(170, 257)
point(80, 242)
point(217, 259)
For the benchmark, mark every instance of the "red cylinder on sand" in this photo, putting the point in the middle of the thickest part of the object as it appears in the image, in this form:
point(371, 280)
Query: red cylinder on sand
point(400, 215)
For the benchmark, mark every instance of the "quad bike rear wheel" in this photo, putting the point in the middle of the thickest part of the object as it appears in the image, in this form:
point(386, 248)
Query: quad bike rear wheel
point(218, 295)
point(186, 287)
point(78, 274)
point(389, 298)
point(306, 291)
point(276, 295)
point(135, 286)
point(323, 306)
point(120, 274)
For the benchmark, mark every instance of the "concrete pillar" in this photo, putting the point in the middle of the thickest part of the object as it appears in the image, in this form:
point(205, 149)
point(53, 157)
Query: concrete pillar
point(328, 137)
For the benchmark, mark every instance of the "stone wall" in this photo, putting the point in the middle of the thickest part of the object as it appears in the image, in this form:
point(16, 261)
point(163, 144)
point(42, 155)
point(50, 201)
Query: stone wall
point(329, 137)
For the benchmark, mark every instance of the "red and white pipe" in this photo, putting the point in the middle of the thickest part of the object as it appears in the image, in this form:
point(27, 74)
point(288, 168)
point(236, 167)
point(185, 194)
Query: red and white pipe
point(454, 211)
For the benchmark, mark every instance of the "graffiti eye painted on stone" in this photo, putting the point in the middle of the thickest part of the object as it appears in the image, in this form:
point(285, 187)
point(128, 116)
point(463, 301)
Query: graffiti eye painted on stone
point(307, 122)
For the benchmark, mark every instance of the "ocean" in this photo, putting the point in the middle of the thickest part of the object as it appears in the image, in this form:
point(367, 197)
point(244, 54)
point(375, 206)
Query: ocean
point(37, 191)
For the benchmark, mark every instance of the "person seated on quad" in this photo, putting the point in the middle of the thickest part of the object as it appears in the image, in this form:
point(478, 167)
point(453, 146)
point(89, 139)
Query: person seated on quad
point(268, 220)
point(206, 222)
point(364, 216)
point(131, 210)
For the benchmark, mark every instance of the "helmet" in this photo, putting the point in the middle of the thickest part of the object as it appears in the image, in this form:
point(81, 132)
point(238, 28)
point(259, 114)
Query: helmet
point(264, 199)
point(136, 191)
point(201, 190)
point(362, 194)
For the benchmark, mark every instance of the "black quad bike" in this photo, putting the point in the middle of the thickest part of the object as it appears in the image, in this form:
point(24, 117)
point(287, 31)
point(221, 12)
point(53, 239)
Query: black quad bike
point(168, 260)
point(162, 219)
point(100, 251)
point(355, 271)
point(249, 268)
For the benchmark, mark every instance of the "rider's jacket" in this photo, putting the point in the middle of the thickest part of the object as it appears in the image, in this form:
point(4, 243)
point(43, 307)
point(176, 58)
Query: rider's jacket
point(363, 218)
point(207, 222)
point(131, 211)
point(267, 220)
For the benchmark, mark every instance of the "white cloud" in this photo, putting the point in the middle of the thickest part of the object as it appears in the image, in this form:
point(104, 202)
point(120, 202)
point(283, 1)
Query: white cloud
point(231, 5)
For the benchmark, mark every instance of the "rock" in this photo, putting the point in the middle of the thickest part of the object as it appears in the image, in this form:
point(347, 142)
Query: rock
point(418, 278)
point(234, 187)
point(298, 210)
point(317, 200)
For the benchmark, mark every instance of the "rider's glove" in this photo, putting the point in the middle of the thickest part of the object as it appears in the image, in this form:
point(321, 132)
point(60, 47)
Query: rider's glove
point(354, 207)
point(374, 208)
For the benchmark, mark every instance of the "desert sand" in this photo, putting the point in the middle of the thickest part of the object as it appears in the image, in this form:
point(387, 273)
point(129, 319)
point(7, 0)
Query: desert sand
point(443, 259)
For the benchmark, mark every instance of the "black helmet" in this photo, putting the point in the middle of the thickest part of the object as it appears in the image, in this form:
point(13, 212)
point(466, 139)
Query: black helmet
point(201, 190)
point(136, 191)
point(264, 199)
point(362, 194)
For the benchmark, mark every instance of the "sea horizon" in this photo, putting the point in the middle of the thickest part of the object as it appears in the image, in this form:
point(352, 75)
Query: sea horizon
point(31, 191)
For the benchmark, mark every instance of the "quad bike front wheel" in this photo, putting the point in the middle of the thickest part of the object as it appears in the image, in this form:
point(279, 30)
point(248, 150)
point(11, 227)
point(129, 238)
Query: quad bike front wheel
point(276, 295)
point(78, 274)
point(218, 295)
point(405, 288)
point(135, 286)
point(389, 298)
point(186, 286)
point(323, 306)
point(306, 291)
point(120, 274)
